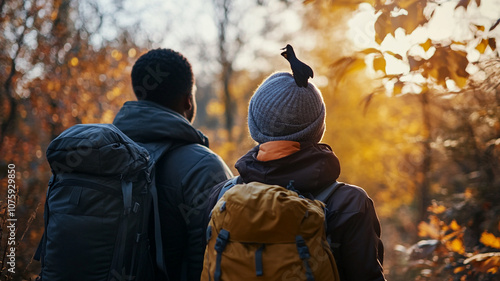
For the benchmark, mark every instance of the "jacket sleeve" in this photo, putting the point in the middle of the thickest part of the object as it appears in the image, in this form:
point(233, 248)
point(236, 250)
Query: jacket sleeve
point(197, 184)
point(357, 247)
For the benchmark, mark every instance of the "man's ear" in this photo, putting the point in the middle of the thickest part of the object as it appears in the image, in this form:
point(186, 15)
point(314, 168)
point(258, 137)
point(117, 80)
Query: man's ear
point(188, 102)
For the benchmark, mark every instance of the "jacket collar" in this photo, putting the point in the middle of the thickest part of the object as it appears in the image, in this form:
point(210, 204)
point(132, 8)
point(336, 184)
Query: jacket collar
point(312, 168)
point(147, 122)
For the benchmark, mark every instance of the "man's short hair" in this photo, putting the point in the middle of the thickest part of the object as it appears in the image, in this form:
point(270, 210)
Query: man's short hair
point(162, 76)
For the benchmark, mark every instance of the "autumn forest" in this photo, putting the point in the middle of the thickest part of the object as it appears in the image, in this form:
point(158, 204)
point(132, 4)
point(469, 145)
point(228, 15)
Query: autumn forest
point(412, 90)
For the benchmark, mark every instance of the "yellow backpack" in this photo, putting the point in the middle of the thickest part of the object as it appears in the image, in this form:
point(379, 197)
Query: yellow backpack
point(267, 232)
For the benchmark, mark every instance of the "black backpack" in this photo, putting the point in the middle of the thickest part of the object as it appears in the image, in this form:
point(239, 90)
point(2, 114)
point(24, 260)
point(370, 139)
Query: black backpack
point(100, 207)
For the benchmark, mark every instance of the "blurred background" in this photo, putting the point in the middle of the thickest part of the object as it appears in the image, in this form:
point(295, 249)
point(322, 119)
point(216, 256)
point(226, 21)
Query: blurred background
point(412, 89)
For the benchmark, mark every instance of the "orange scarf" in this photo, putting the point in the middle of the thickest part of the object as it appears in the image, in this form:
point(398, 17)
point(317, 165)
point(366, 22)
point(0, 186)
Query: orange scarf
point(277, 149)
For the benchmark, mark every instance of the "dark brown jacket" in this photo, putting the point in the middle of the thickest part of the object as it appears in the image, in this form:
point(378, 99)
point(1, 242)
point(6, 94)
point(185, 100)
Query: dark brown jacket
point(352, 223)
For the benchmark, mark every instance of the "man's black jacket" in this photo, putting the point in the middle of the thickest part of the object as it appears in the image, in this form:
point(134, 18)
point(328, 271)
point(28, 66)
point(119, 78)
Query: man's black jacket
point(184, 177)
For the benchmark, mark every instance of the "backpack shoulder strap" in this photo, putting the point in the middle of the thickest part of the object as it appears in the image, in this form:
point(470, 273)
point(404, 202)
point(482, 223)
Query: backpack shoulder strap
point(156, 151)
point(230, 183)
point(325, 194)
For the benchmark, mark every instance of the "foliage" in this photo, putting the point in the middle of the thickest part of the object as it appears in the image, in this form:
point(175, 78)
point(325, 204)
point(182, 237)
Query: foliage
point(451, 86)
point(440, 63)
point(447, 252)
point(52, 77)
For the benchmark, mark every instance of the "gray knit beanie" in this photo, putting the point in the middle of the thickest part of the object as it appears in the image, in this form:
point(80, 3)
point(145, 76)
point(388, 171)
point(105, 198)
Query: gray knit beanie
point(281, 110)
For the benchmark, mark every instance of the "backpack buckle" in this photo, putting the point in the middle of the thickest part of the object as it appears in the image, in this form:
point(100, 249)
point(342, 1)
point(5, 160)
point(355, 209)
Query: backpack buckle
point(222, 239)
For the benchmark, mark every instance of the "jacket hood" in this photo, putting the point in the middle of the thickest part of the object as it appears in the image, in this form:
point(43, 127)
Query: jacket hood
point(312, 168)
point(148, 122)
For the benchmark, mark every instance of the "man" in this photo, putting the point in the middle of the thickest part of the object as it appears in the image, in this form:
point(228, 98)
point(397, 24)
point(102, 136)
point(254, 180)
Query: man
point(288, 122)
point(163, 82)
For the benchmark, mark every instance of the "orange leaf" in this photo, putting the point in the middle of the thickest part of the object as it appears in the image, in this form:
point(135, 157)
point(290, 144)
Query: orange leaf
point(490, 240)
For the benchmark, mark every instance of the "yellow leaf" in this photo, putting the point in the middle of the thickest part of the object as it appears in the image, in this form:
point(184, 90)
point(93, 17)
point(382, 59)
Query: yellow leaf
point(481, 47)
point(455, 226)
point(428, 230)
point(460, 81)
point(456, 246)
point(427, 45)
point(379, 64)
point(490, 240)
point(436, 209)
point(398, 87)
point(370, 51)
